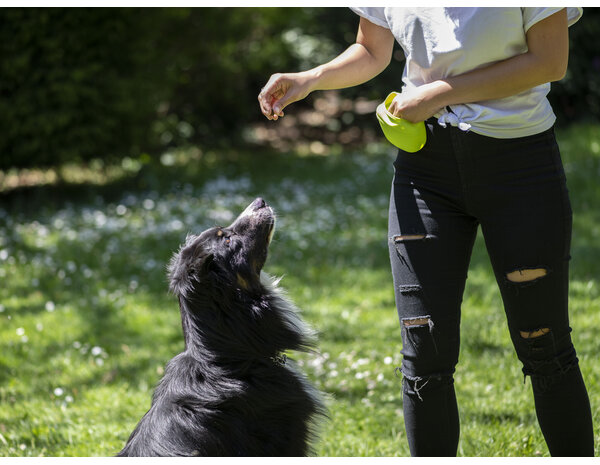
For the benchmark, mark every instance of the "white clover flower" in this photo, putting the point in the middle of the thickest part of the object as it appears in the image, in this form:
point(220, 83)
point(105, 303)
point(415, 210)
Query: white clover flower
point(96, 350)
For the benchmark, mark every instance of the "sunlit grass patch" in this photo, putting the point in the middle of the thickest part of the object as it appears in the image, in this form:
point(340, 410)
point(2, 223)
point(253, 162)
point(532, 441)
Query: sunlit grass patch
point(87, 323)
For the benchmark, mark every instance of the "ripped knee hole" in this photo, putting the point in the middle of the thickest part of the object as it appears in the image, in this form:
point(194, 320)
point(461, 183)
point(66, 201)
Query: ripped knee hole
point(523, 276)
point(409, 237)
point(535, 333)
point(423, 321)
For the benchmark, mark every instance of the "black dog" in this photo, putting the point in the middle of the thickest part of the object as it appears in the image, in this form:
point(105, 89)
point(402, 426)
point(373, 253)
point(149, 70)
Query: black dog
point(231, 392)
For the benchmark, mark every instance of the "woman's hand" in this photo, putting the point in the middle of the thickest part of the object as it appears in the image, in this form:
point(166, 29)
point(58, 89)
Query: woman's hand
point(281, 90)
point(416, 104)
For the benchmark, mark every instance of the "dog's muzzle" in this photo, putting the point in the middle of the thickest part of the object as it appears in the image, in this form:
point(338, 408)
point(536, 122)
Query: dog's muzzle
point(259, 212)
point(255, 207)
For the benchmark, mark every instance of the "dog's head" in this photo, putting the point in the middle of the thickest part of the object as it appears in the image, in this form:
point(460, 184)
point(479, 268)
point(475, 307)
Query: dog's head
point(228, 306)
point(234, 254)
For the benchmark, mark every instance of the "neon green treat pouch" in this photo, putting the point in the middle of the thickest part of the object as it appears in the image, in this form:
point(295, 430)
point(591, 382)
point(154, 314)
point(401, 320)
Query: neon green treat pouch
point(410, 137)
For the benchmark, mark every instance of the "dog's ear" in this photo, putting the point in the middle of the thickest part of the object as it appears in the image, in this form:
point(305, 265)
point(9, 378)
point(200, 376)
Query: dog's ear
point(177, 275)
point(190, 265)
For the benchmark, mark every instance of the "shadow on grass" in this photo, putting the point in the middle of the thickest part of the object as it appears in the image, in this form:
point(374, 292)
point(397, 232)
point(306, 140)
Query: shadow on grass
point(503, 417)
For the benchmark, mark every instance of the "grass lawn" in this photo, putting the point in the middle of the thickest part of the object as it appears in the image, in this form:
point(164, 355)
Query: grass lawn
point(87, 325)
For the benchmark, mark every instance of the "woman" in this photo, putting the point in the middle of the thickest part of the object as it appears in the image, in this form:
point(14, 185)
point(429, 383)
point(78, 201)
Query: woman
point(479, 78)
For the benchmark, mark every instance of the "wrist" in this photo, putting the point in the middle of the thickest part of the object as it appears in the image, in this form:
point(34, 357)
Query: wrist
point(438, 94)
point(312, 78)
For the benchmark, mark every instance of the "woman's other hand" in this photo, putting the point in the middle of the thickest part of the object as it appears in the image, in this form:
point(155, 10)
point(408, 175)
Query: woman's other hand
point(416, 104)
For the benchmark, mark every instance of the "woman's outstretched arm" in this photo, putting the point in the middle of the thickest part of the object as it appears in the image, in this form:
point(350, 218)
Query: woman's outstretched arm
point(362, 61)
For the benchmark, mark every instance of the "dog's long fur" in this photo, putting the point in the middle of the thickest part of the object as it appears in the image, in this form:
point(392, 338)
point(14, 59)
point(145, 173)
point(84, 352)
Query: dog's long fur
point(231, 393)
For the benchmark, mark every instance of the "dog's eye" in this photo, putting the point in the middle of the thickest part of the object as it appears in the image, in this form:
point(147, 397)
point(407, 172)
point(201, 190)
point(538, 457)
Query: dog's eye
point(222, 235)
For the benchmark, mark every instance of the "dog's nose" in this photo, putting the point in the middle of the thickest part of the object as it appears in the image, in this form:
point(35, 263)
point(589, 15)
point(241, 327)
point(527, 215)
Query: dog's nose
point(259, 203)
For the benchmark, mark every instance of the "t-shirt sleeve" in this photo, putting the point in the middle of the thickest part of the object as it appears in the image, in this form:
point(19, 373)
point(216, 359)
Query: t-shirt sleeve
point(532, 16)
point(374, 14)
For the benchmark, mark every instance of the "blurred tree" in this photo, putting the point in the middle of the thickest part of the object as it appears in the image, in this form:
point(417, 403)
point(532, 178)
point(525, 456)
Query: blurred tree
point(77, 84)
point(577, 96)
point(218, 59)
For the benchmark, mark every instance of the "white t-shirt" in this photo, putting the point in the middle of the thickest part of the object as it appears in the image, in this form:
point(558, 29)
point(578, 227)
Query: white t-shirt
point(444, 42)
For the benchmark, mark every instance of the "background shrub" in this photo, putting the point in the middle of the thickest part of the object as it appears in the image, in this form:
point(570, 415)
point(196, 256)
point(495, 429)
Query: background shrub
point(75, 83)
point(78, 84)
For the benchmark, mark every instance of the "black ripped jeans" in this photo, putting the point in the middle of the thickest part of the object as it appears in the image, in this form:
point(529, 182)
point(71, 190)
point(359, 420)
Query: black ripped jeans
point(516, 190)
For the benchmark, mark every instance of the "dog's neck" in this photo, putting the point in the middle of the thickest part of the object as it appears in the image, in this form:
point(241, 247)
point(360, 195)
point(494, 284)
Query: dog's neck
point(203, 344)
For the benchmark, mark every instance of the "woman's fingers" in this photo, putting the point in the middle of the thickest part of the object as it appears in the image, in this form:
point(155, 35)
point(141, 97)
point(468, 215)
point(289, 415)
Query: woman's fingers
point(283, 89)
point(270, 96)
point(396, 106)
point(265, 103)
